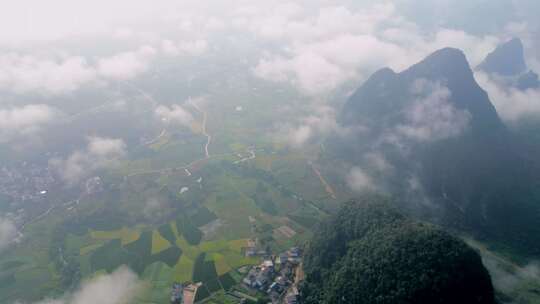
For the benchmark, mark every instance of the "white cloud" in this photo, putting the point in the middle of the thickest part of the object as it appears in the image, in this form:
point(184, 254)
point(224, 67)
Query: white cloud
point(119, 287)
point(312, 127)
point(28, 73)
point(320, 67)
point(338, 45)
point(100, 153)
point(299, 136)
point(431, 116)
point(174, 114)
point(512, 104)
point(24, 120)
point(186, 48)
point(127, 65)
point(378, 162)
point(8, 233)
point(20, 73)
point(509, 278)
point(359, 181)
point(106, 147)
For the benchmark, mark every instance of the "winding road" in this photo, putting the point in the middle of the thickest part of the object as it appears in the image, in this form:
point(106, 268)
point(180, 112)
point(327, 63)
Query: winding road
point(203, 127)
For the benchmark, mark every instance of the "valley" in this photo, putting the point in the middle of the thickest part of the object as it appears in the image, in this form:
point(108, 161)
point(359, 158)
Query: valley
point(284, 152)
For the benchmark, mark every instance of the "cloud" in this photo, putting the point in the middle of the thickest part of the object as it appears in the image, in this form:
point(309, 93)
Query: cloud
point(311, 127)
point(17, 121)
point(53, 74)
point(378, 162)
point(338, 45)
point(512, 104)
point(28, 73)
point(359, 180)
point(174, 114)
point(8, 233)
point(127, 65)
point(431, 116)
point(119, 287)
point(106, 147)
point(185, 48)
point(507, 277)
point(299, 136)
point(320, 67)
point(100, 153)
point(154, 209)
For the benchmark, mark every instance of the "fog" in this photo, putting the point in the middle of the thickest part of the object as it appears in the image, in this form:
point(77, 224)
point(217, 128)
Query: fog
point(63, 59)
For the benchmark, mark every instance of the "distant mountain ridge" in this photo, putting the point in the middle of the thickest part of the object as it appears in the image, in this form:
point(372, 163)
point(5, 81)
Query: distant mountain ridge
point(507, 61)
point(448, 67)
point(443, 140)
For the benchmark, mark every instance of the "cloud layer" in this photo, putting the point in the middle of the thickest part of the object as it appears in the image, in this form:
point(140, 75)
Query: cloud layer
point(337, 45)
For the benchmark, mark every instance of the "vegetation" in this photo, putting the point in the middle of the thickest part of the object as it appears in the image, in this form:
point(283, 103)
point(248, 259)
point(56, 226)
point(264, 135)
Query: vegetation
point(204, 270)
point(188, 230)
point(227, 281)
point(370, 253)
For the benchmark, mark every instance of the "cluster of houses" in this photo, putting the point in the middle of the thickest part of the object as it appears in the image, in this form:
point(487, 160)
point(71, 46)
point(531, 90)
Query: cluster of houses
point(292, 296)
point(184, 293)
point(251, 249)
point(177, 293)
point(25, 182)
point(275, 275)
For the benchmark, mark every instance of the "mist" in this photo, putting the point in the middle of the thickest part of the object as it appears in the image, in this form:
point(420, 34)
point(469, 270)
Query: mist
point(110, 110)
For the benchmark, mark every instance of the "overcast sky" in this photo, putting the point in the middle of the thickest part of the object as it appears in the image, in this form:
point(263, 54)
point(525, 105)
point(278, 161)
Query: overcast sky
point(57, 47)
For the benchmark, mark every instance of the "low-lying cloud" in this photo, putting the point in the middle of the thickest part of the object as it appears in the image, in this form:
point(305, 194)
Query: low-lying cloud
point(431, 116)
point(359, 180)
point(22, 73)
point(8, 232)
point(127, 65)
point(512, 104)
point(100, 153)
point(174, 114)
point(186, 48)
point(119, 287)
point(508, 278)
point(17, 121)
point(310, 128)
point(55, 74)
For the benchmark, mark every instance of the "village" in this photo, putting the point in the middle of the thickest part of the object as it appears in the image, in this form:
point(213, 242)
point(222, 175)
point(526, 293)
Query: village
point(276, 278)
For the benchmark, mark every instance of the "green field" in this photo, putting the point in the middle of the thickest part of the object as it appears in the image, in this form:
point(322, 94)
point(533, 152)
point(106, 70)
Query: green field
point(165, 235)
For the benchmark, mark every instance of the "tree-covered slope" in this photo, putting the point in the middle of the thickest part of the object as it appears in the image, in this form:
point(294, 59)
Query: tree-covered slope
point(370, 253)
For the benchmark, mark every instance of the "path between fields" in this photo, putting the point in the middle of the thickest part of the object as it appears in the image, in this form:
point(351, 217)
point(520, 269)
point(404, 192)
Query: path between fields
point(326, 185)
point(251, 156)
point(204, 131)
point(207, 155)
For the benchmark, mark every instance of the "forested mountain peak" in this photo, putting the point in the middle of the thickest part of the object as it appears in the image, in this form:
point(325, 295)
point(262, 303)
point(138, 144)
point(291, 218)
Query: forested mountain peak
point(371, 253)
